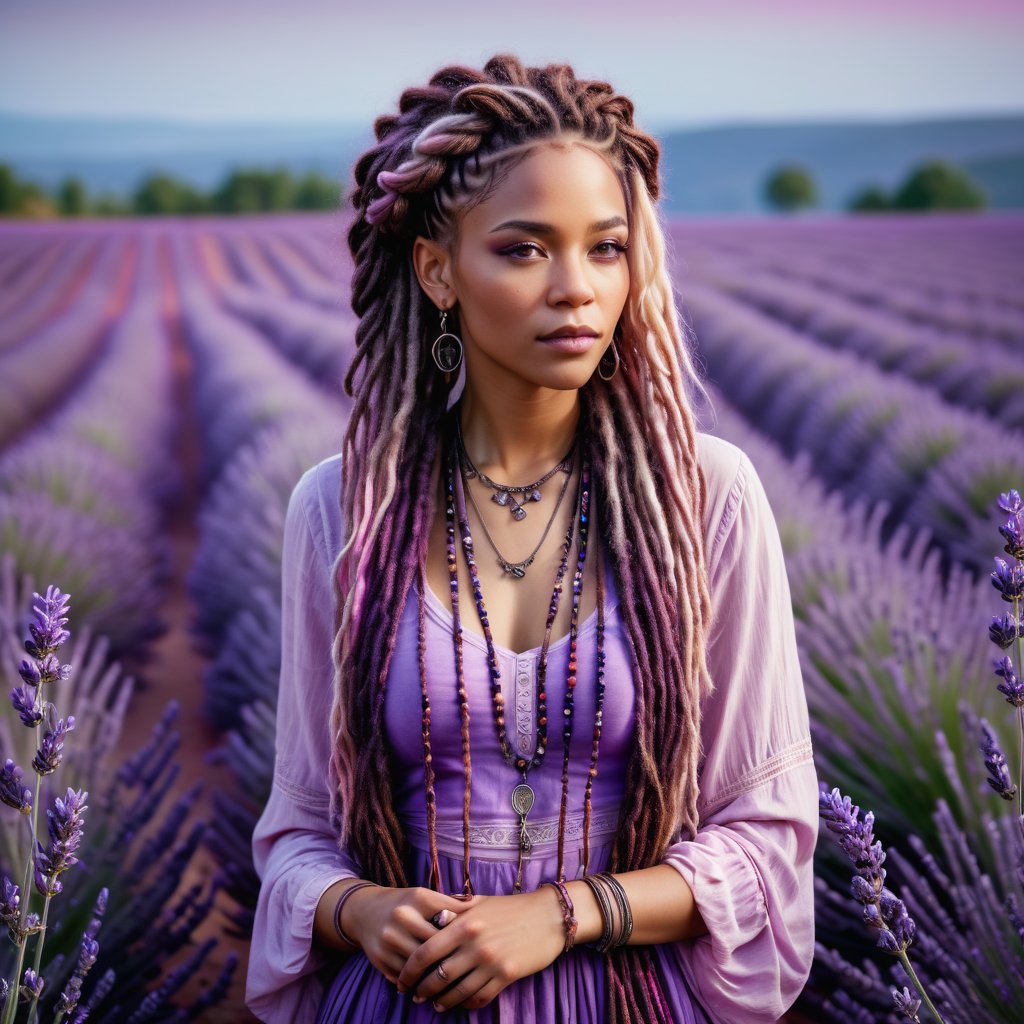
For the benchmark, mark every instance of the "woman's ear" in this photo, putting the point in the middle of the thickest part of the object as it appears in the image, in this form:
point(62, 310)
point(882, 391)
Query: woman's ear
point(432, 263)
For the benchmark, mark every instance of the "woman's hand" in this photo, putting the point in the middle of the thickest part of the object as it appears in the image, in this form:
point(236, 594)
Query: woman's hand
point(391, 923)
point(494, 941)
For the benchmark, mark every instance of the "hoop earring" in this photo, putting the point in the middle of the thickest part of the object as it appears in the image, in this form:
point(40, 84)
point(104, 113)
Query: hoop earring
point(446, 350)
point(615, 353)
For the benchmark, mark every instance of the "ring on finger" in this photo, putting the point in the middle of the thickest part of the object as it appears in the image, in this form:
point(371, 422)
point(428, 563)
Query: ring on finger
point(441, 972)
point(443, 917)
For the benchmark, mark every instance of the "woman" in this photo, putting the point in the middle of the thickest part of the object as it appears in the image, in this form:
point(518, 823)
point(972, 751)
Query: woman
point(432, 847)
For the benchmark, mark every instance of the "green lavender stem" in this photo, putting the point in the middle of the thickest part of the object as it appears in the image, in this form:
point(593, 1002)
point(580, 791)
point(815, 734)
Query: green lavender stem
point(917, 984)
point(33, 1009)
point(11, 1006)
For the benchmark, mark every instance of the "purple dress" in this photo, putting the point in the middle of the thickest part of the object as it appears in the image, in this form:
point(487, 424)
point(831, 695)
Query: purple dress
point(750, 865)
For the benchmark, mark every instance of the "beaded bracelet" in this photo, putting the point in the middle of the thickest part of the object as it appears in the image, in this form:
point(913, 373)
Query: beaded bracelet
point(337, 912)
point(567, 910)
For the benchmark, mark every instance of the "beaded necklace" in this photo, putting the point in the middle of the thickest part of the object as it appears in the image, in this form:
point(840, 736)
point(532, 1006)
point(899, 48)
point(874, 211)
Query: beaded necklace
point(522, 795)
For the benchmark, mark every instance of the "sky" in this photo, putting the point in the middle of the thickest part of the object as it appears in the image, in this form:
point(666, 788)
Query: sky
point(683, 62)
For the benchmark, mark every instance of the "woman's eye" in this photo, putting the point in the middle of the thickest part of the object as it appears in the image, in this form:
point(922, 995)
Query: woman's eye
point(611, 248)
point(521, 250)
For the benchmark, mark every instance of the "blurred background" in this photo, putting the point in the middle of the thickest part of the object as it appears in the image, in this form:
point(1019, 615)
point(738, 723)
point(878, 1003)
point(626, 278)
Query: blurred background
point(844, 202)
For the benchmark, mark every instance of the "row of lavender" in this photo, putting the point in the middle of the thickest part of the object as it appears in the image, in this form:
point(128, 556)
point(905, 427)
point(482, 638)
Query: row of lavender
point(83, 491)
point(288, 277)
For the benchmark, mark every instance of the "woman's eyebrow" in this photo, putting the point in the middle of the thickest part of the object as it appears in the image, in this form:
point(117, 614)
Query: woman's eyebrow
point(536, 228)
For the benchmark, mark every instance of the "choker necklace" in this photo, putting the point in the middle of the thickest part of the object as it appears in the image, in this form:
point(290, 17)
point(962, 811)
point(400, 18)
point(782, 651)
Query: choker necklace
point(518, 569)
point(503, 492)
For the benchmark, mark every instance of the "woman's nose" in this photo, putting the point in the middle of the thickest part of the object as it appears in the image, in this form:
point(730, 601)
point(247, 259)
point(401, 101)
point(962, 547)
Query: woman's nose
point(570, 283)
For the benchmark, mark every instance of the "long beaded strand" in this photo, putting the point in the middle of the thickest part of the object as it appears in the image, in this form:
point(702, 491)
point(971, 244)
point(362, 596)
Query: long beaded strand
point(453, 578)
point(599, 711)
point(570, 681)
point(428, 760)
point(522, 795)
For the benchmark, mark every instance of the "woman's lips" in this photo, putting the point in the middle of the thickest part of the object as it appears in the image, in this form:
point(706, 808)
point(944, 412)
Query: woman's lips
point(571, 344)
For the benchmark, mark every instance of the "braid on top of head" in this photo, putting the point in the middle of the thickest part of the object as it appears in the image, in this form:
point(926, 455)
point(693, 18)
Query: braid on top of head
point(450, 142)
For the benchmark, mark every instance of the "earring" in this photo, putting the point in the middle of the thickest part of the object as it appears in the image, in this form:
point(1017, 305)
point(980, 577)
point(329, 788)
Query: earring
point(446, 350)
point(615, 353)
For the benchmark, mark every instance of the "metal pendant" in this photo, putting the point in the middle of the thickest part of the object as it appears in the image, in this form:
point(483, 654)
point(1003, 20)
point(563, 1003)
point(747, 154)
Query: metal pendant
point(522, 801)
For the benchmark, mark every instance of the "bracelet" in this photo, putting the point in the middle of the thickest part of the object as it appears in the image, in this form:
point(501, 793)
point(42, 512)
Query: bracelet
point(617, 926)
point(601, 944)
point(567, 910)
point(337, 912)
point(626, 921)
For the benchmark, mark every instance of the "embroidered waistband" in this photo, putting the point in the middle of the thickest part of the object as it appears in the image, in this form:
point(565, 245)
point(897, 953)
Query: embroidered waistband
point(499, 840)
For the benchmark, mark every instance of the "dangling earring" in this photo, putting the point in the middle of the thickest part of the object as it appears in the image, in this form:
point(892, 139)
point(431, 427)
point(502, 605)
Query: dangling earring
point(447, 350)
point(615, 353)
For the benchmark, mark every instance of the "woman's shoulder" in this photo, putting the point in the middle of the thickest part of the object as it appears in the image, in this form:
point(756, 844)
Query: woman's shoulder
point(318, 492)
point(726, 472)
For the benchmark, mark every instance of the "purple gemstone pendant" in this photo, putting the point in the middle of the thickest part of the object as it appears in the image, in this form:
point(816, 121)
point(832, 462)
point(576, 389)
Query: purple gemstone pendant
point(501, 497)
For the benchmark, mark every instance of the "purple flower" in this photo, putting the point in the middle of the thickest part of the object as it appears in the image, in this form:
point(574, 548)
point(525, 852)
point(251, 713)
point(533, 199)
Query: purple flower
point(48, 756)
point(32, 984)
point(1013, 531)
point(29, 671)
point(64, 823)
point(995, 763)
point(48, 632)
point(10, 903)
point(12, 792)
point(87, 953)
point(25, 704)
point(907, 1004)
point(883, 910)
point(1012, 688)
point(1008, 579)
point(1004, 630)
point(1011, 502)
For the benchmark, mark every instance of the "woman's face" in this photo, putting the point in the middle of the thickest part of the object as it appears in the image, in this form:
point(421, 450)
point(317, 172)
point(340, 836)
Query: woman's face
point(543, 251)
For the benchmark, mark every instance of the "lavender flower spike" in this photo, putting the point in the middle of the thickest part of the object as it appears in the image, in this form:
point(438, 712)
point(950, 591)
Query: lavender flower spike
point(1004, 630)
point(12, 792)
point(1012, 688)
point(48, 632)
point(32, 984)
point(907, 1005)
point(64, 822)
point(48, 756)
point(1008, 579)
point(995, 763)
point(1011, 502)
point(25, 704)
point(88, 951)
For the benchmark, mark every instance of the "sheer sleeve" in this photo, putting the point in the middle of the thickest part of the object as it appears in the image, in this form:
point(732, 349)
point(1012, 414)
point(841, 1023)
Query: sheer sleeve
point(295, 849)
point(750, 866)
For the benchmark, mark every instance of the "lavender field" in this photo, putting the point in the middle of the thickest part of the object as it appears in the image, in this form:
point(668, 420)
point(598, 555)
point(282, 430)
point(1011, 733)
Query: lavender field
point(164, 384)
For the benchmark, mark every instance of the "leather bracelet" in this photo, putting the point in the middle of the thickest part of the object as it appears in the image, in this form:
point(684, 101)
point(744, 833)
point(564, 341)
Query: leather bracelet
point(595, 883)
point(337, 912)
point(567, 909)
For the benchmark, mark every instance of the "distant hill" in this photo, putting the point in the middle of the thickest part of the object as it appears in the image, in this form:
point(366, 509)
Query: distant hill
point(706, 170)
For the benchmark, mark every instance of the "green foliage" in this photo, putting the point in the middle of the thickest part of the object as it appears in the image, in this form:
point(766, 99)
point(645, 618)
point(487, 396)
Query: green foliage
point(869, 200)
point(71, 197)
point(19, 198)
point(937, 185)
point(790, 187)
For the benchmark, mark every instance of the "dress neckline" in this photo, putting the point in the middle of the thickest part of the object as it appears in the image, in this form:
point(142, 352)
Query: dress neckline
point(443, 615)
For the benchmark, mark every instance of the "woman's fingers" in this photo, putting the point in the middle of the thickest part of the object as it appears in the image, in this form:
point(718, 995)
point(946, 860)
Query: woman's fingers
point(457, 988)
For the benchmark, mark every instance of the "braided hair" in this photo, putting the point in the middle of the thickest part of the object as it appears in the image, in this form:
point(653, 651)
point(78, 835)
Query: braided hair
point(451, 142)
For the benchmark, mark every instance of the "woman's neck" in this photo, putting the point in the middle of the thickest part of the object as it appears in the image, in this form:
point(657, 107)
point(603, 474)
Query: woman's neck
point(514, 441)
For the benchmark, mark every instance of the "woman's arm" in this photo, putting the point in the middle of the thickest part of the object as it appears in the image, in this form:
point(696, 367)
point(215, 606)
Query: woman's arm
point(295, 850)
